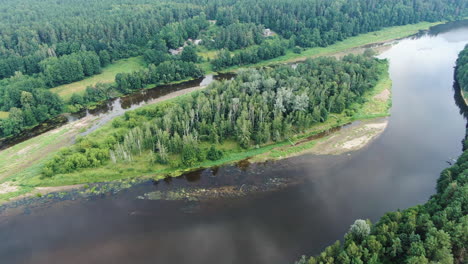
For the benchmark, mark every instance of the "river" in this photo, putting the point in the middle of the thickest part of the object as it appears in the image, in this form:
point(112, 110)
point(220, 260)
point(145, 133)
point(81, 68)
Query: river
point(320, 198)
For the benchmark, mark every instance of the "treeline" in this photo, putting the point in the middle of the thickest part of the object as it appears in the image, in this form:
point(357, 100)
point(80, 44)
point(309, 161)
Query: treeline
point(313, 23)
point(461, 72)
point(32, 31)
point(257, 107)
point(70, 68)
point(29, 103)
point(435, 232)
point(269, 49)
point(68, 62)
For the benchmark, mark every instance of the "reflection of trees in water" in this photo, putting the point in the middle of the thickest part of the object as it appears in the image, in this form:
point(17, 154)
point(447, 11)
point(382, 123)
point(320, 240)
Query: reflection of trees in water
point(442, 28)
point(463, 108)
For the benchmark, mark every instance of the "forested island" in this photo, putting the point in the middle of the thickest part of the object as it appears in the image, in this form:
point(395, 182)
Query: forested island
point(435, 232)
point(258, 107)
point(54, 44)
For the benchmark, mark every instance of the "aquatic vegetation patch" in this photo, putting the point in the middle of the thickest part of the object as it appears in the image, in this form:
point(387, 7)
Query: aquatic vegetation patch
point(216, 192)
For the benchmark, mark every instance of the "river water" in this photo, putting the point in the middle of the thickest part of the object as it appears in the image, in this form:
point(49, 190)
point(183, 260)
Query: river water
point(301, 205)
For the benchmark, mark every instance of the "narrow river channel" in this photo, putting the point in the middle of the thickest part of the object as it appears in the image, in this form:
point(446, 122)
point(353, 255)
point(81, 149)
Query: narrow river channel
point(289, 207)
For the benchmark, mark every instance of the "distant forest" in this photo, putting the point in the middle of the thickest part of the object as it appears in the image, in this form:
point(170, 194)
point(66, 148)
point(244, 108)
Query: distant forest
point(48, 43)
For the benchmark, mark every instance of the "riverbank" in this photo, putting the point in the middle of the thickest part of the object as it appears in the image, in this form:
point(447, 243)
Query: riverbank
point(464, 95)
point(356, 45)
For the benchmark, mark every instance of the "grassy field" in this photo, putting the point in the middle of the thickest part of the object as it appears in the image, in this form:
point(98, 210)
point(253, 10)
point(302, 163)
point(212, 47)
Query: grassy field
point(4, 114)
point(376, 107)
point(107, 76)
point(207, 54)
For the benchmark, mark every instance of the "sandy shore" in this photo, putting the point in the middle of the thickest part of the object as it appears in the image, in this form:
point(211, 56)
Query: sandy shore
point(352, 138)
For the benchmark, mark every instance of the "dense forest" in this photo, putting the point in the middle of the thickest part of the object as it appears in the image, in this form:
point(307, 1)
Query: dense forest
point(256, 108)
point(51, 43)
point(32, 31)
point(238, 35)
point(435, 232)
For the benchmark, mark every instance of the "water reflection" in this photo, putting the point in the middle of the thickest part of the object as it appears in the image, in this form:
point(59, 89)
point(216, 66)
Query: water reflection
point(459, 101)
point(452, 32)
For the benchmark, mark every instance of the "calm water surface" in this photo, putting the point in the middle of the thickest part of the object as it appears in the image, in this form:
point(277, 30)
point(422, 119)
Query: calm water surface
point(398, 170)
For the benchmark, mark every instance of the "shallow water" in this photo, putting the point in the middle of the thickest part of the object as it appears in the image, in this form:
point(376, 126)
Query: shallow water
point(326, 194)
